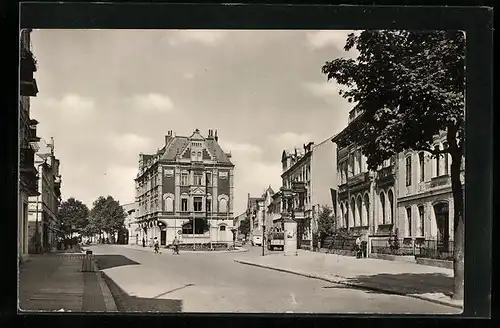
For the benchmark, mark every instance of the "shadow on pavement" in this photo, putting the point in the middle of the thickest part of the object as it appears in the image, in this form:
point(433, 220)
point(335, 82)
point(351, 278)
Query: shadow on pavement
point(111, 261)
point(126, 303)
point(407, 283)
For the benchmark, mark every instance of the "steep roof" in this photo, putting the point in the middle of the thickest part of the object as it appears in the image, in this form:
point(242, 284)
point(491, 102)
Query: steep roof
point(174, 147)
point(178, 144)
point(216, 150)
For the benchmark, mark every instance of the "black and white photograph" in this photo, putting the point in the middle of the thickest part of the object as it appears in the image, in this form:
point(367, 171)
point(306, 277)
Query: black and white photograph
point(242, 171)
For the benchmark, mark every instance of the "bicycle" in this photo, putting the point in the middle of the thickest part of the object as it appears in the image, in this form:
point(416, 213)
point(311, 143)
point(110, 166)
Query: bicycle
point(157, 249)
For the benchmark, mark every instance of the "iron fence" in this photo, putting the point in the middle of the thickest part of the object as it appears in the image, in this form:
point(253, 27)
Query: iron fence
point(337, 243)
point(433, 249)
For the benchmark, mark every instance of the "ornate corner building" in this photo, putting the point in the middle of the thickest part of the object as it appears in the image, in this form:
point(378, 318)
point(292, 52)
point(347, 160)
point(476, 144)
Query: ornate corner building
point(366, 199)
point(186, 190)
point(43, 207)
point(28, 139)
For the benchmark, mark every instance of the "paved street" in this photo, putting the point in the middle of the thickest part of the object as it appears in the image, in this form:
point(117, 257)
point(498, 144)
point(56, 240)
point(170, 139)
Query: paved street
point(144, 281)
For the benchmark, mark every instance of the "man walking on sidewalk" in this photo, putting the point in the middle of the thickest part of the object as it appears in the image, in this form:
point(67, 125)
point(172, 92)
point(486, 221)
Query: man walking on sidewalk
point(358, 248)
point(176, 245)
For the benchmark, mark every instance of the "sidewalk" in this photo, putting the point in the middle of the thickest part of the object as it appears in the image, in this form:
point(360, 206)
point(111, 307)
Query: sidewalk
point(413, 280)
point(55, 282)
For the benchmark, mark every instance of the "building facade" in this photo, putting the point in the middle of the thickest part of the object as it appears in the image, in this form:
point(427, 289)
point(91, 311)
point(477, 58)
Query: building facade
point(134, 232)
point(186, 190)
point(323, 179)
point(296, 177)
point(43, 225)
point(366, 200)
point(28, 185)
point(425, 200)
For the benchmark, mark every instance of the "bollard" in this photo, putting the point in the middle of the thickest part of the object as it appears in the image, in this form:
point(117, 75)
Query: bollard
point(87, 262)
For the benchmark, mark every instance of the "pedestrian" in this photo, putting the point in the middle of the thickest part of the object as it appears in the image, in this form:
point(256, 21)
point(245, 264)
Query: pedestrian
point(176, 245)
point(143, 242)
point(156, 245)
point(358, 247)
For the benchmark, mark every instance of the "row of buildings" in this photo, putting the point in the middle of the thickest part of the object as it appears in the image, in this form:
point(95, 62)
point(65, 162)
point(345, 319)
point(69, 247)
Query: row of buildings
point(409, 196)
point(185, 189)
point(39, 179)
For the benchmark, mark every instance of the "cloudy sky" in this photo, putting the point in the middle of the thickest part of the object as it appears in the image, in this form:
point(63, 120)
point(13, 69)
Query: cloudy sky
point(107, 95)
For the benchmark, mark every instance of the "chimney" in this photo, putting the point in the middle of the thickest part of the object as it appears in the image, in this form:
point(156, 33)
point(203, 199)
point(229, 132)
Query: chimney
point(168, 137)
point(216, 137)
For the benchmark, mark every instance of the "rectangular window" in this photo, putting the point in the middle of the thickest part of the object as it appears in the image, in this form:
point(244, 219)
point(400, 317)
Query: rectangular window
point(184, 179)
point(408, 217)
point(209, 205)
point(421, 166)
point(438, 162)
point(197, 204)
point(408, 171)
point(446, 164)
point(421, 218)
point(184, 205)
point(198, 179)
point(209, 178)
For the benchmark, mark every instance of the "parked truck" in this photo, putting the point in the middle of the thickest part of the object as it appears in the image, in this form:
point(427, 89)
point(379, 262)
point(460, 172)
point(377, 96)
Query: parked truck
point(275, 239)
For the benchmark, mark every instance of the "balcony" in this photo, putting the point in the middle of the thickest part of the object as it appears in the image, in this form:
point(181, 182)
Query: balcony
point(386, 175)
point(358, 179)
point(299, 187)
point(27, 67)
point(443, 180)
point(31, 135)
point(28, 179)
point(343, 188)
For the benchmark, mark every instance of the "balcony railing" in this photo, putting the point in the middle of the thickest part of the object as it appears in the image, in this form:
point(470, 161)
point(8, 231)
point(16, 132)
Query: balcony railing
point(386, 174)
point(440, 181)
point(31, 135)
point(359, 179)
point(27, 159)
point(343, 188)
point(298, 186)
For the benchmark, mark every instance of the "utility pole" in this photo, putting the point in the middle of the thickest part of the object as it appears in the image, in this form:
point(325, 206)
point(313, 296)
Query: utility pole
point(263, 240)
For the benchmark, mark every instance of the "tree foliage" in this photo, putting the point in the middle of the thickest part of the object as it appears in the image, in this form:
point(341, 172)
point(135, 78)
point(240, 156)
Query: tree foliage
point(72, 215)
point(107, 215)
point(327, 224)
point(244, 227)
point(408, 87)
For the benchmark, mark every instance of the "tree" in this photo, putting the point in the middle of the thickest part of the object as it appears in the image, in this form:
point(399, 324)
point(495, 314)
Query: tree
point(108, 214)
point(72, 215)
point(327, 224)
point(244, 227)
point(409, 87)
point(92, 228)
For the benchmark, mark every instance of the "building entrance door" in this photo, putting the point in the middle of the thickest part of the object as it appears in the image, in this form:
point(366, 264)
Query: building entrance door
point(441, 213)
point(300, 233)
point(163, 237)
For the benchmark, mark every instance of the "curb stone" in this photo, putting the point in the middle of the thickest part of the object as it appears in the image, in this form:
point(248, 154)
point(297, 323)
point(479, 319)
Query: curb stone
point(109, 301)
point(343, 281)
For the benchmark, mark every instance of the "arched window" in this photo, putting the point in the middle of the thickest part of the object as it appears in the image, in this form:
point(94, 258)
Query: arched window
point(222, 228)
point(390, 195)
point(382, 207)
point(353, 211)
point(359, 210)
point(367, 210)
point(343, 214)
point(409, 231)
point(169, 204)
point(223, 205)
